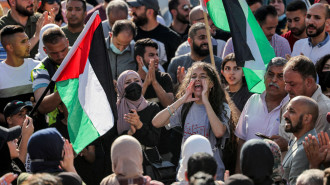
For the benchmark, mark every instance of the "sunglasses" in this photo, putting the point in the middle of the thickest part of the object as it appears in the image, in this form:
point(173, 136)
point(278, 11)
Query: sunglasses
point(186, 7)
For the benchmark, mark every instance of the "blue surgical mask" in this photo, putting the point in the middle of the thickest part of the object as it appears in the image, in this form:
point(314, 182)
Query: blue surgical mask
point(115, 49)
point(145, 69)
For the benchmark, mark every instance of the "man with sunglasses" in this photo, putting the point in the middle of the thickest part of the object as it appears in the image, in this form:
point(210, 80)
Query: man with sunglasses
point(21, 13)
point(180, 13)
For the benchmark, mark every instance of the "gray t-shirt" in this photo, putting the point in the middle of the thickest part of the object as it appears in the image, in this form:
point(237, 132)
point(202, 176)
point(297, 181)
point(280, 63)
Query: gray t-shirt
point(197, 122)
point(186, 62)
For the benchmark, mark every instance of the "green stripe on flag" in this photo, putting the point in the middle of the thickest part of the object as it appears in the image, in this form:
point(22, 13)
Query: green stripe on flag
point(256, 79)
point(217, 12)
point(266, 50)
point(80, 128)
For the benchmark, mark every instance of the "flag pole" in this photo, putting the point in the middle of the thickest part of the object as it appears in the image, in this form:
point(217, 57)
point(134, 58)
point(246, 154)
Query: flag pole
point(41, 98)
point(208, 34)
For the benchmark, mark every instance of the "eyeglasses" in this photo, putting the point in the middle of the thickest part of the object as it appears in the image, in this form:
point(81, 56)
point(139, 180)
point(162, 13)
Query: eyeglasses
point(186, 7)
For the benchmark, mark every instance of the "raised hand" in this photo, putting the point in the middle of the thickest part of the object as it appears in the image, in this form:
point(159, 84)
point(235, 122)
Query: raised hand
point(189, 92)
point(180, 74)
point(313, 152)
point(206, 90)
point(133, 119)
point(67, 162)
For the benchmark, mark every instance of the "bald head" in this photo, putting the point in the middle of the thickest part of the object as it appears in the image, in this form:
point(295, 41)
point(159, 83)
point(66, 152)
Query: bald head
point(308, 105)
point(319, 7)
point(196, 15)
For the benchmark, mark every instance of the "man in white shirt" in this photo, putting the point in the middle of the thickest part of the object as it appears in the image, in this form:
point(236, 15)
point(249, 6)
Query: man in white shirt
point(261, 112)
point(15, 70)
point(317, 44)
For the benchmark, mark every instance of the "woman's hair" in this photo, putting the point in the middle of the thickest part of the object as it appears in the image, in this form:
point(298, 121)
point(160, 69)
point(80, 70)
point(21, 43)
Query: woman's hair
point(320, 63)
point(229, 57)
point(216, 96)
point(58, 16)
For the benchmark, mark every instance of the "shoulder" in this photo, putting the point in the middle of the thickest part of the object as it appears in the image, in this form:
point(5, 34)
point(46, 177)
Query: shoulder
point(301, 42)
point(180, 58)
point(35, 17)
point(166, 30)
point(281, 39)
point(6, 20)
point(217, 59)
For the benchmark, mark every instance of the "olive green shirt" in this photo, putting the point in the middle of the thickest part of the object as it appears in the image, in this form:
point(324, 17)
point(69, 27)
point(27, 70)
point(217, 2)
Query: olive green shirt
point(30, 27)
point(72, 37)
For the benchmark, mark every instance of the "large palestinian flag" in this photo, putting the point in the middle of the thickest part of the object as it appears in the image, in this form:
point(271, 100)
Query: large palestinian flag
point(252, 49)
point(84, 82)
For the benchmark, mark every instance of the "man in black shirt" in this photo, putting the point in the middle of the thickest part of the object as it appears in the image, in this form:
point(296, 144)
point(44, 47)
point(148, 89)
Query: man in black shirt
point(144, 15)
point(157, 86)
point(180, 12)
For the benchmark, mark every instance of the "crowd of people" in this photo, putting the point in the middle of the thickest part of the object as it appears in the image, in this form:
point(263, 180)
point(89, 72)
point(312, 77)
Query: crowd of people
point(181, 119)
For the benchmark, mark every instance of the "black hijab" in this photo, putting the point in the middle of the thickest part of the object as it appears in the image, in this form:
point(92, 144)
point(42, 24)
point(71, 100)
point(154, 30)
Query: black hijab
point(257, 162)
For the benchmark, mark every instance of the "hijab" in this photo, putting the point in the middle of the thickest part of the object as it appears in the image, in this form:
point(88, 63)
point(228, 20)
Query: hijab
point(257, 161)
point(124, 105)
point(41, 53)
point(194, 143)
point(126, 158)
point(278, 171)
point(45, 149)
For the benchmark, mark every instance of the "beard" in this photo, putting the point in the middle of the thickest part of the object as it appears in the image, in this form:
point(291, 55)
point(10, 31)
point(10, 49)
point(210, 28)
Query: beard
point(199, 51)
point(23, 11)
point(294, 129)
point(298, 31)
point(182, 19)
point(140, 20)
point(319, 30)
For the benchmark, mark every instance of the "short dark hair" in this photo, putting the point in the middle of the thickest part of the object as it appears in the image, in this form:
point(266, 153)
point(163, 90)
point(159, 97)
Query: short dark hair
point(264, 11)
point(83, 2)
point(303, 65)
point(296, 5)
point(123, 25)
point(201, 162)
point(140, 46)
point(52, 35)
point(9, 30)
point(252, 2)
point(194, 28)
point(173, 4)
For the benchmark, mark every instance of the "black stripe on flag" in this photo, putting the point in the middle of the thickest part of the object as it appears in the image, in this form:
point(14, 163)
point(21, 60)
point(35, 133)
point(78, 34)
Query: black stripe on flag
point(237, 25)
point(99, 60)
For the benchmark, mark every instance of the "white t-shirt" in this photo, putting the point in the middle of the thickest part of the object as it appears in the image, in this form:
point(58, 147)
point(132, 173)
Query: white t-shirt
point(16, 80)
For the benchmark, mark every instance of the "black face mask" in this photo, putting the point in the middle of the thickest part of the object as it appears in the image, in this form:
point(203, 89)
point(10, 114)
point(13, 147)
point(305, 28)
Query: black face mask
point(133, 91)
point(325, 79)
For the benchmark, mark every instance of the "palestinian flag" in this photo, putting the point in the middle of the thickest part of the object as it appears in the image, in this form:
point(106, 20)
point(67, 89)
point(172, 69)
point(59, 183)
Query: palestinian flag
point(85, 84)
point(252, 49)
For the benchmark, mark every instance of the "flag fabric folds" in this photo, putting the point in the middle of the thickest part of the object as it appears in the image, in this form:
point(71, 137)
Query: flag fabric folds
point(252, 49)
point(85, 85)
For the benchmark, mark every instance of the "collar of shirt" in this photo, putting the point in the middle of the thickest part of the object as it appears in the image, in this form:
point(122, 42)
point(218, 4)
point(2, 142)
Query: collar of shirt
point(320, 44)
point(263, 98)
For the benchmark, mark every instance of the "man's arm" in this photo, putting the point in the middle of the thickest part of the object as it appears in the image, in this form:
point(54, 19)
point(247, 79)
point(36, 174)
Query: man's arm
point(165, 98)
point(50, 101)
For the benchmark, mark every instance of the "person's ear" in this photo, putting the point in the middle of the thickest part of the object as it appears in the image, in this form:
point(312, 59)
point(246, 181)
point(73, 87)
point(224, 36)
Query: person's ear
point(221, 71)
point(309, 81)
point(9, 47)
point(190, 41)
point(186, 175)
point(174, 12)
point(9, 121)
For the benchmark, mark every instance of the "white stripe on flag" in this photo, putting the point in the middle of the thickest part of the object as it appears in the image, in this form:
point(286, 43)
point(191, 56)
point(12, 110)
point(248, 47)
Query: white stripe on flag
point(93, 100)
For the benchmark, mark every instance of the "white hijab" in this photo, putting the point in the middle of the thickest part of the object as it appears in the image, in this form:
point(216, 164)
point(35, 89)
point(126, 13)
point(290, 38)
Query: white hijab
point(41, 53)
point(195, 143)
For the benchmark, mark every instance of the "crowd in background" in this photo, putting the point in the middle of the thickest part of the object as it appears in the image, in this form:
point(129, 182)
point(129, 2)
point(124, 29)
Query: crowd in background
point(181, 119)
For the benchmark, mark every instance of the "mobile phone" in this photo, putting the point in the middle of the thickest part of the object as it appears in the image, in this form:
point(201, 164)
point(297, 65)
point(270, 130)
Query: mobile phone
point(130, 111)
point(262, 135)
